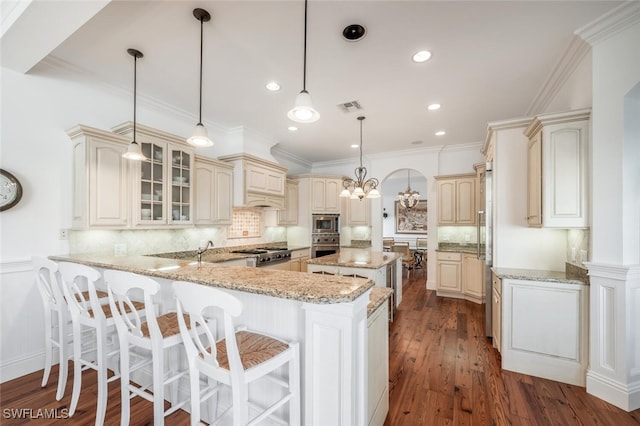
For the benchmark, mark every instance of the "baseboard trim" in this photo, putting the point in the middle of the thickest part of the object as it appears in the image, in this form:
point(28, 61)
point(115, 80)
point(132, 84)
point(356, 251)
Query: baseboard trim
point(15, 368)
point(626, 397)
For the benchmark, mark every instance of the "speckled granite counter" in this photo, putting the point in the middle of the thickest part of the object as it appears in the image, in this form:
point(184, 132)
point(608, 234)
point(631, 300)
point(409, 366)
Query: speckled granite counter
point(311, 288)
point(223, 254)
point(377, 297)
point(535, 275)
point(458, 248)
point(356, 258)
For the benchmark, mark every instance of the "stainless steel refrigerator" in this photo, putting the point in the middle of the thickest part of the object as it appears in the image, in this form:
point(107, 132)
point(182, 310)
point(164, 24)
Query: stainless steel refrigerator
point(485, 241)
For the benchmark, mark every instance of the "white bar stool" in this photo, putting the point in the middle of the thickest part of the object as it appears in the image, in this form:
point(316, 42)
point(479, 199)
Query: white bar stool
point(155, 334)
point(78, 281)
point(55, 306)
point(239, 359)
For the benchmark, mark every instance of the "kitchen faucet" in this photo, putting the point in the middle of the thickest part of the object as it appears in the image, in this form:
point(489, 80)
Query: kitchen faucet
point(201, 251)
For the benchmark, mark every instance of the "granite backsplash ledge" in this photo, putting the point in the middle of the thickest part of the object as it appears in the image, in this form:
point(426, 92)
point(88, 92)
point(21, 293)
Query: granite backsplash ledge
point(577, 272)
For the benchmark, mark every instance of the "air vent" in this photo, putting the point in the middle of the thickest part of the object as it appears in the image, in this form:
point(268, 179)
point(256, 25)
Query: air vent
point(350, 106)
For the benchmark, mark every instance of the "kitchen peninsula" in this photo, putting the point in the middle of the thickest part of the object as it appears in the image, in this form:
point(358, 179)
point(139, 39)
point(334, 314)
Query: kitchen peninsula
point(383, 268)
point(326, 314)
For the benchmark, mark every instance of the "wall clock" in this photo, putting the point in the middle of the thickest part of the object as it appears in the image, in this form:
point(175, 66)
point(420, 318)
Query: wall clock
point(10, 190)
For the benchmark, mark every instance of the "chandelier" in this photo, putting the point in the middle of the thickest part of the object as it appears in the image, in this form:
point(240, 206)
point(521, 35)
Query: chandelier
point(361, 187)
point(408, 198)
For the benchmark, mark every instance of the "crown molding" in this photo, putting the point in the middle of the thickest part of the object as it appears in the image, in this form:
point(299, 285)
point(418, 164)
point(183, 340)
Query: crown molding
point(611, 23)
point(278, 152)
point(494, 126)
point(564, 68)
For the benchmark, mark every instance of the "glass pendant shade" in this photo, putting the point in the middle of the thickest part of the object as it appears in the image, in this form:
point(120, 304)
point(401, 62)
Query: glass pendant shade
point(303, 111)
point(134, 152)
point(200, 137)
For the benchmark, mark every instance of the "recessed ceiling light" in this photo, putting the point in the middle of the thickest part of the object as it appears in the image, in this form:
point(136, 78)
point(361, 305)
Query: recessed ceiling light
point(421, 56)
point(355, 145)
point(433, 107)
point(273, 86)
point(292, 128)
point(441, 133)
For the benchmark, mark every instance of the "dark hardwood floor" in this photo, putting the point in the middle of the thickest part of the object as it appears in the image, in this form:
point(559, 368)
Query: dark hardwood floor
point(442, 371)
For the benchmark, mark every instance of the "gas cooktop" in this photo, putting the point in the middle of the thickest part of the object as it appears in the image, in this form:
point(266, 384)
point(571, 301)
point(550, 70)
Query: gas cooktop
point(267, 255)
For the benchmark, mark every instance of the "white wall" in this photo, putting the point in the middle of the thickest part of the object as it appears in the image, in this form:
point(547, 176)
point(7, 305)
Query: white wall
point(515, 244)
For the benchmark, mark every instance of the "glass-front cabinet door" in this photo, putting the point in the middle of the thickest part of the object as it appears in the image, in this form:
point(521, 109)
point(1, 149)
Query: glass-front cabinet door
point(151, 189)
point(181, 185)
point(163, 192)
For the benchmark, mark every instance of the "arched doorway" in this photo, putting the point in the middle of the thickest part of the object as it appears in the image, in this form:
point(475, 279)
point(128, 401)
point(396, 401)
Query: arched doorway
point(396, 223)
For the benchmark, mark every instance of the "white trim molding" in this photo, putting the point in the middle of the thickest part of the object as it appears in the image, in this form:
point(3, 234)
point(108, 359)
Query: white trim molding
point(614, 346)
point(611, 23)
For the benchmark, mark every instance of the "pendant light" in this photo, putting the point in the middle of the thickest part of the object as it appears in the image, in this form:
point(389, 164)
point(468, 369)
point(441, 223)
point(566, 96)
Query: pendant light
point(408, 198)
point(200, 136)
point(303, 111)
point(361, 187)
point(133, 151)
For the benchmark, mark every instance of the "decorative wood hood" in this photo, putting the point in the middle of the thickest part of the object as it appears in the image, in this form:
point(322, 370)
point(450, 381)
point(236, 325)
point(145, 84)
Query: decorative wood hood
point(257, 182)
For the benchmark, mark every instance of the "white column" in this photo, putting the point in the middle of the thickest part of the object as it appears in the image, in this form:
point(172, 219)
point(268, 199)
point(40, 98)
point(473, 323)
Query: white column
point(614, 270)
point(335, 363)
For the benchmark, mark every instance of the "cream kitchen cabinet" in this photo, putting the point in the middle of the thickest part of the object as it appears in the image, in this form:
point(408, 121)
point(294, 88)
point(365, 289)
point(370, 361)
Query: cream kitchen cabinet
point(162, 182)
point(213, 188)
point(325, 195)
point(460, 275)
point(358, 212)
point(473, 278)
point(289, 216)
point(101, 188)
point(378, 365)
point(557, 182)
point(257, 182)
point(456, 199)
point(496, 311)
point(299, 259)
point(448, 274)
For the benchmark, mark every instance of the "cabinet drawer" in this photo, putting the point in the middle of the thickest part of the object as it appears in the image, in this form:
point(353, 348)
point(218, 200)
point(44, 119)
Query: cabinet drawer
point(496, 284)
point(451, 256)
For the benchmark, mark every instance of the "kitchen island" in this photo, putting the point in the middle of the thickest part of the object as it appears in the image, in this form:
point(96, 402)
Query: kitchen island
point(326, 314)
point(383, 268)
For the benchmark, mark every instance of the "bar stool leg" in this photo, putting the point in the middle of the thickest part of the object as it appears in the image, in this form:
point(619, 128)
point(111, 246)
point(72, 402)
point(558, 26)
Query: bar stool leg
point(102, 377)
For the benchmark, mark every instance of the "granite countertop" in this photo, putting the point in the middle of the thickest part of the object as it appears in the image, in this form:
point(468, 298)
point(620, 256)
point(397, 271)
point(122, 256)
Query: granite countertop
point(301, 286)
point(377, 297)
point(356, 258)
point(458, 248)
point(536, 275)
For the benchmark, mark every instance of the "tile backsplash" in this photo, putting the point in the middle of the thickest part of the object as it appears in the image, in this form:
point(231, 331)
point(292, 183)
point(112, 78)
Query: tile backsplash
point(577, 246)
point(247, 223)
point(458, 234)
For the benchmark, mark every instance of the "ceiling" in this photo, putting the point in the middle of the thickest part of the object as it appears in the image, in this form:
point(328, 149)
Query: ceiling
point(490, 60)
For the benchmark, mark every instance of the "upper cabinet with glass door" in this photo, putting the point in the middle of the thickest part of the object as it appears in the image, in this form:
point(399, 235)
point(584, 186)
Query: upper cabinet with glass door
point(163, 180)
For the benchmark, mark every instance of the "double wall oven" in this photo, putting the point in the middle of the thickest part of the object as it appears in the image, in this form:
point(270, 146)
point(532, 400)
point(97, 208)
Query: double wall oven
point(325, 234)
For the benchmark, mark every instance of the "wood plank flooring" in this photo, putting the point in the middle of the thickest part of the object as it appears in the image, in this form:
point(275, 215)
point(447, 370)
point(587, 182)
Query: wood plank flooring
point(442, 371)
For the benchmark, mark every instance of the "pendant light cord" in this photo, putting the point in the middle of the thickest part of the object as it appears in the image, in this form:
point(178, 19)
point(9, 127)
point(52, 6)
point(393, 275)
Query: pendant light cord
point(304, 67)
point(135, 80)
point(201, 42)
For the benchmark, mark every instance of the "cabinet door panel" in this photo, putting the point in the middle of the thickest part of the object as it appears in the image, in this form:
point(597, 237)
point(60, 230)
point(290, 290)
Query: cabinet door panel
point(446, 202)
point(204, 193)
point(108, 190)
point(448, 276)
point(466, 201)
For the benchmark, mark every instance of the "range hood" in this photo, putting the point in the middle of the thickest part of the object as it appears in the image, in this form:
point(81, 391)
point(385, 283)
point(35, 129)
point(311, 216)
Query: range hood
point(257, 182)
